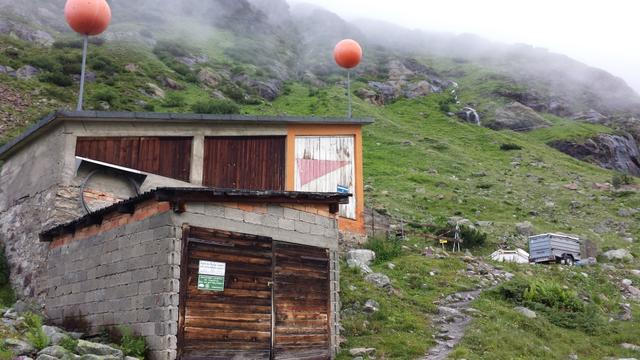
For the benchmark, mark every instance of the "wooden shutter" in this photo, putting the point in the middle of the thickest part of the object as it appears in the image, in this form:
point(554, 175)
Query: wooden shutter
point(164, 156)
point(252, 163)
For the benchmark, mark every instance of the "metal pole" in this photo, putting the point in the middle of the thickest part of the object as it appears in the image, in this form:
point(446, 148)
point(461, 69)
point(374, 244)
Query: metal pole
point(84, 65)
point(349, 91)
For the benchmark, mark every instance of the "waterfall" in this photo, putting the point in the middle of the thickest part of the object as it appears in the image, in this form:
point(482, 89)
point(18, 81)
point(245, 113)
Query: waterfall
point(472, 115)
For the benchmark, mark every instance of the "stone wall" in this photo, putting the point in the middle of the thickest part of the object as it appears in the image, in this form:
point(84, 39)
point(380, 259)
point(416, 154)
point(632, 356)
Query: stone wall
point(128, 275)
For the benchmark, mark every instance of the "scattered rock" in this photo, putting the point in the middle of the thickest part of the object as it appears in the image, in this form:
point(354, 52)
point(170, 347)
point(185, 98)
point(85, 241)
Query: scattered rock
point(57, 352)
point(391, 266)
point(47, 357)
point(171, 84)
point(626, 313)
point(571, 186)
point(620, 254)
point(371, 306)
point(208, 77)
point(361, 258)
point(191, 60)
point(91, 348)
point(454, 220)
point(627, 282)
point(573, 357)
point(362, 351)
point(27, 72)
point(524, 228)
point(627, 212)
point(132, 68)
point(631, 347)
point(19, 347)
point(155, 91)
point(518, 117)
point(526, 312)
point(379, 280)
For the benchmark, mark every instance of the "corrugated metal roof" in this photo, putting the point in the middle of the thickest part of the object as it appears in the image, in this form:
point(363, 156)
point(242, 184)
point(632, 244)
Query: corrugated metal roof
point(176, 195)
point(142, 117)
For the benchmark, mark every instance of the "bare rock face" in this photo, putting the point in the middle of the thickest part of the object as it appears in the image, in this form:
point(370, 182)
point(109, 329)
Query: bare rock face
point(615, 152)
point(518, 117)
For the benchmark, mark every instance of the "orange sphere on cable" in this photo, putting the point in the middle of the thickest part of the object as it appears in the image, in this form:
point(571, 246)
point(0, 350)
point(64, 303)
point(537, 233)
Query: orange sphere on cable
point(348, 54)
point(88, 17)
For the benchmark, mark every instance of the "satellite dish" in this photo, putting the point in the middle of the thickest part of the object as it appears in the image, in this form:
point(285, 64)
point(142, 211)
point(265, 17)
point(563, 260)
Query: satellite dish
point(87, 17)
point(348, 55)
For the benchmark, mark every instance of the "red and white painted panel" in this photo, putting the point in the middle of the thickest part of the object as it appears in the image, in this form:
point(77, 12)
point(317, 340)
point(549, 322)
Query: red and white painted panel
point(327, 164)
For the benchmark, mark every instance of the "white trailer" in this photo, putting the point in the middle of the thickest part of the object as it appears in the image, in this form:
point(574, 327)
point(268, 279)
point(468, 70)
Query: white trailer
point(556, 248)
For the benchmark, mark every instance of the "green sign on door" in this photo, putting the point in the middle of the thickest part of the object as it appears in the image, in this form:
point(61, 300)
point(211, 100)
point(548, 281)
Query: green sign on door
point(211, 275)
point(210, 283)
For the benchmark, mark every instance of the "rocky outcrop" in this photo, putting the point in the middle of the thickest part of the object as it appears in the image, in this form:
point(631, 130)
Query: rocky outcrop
point(25, 32)
point(615, 152)
point(517, 117)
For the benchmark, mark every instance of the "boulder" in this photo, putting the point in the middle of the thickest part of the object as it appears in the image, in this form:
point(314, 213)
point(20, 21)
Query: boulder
point(132, 68)
point(379, 280)
point(27, 72)
point(171, 84)
point(362, 351)
point(620, 254)
point(626, 314)
point(518, 117)
point(155, 91)
point(526, 312)
point(6, 69)
point(361, 258)
point(371, 306)
point(386, 93)
point(91, 348)
point(208, 77)
point(524, 228)
point(631, 347)
point(47, 357)
point(609, 151)
point(590, 116)
point(192, 60)
point(19, 347)
point(57, 352)
point(458, 220)
point(418, 89)
point(98, 357)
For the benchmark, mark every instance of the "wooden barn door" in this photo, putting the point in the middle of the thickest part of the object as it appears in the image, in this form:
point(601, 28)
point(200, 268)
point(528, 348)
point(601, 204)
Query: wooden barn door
point(232, 322)
point(274, 302)
point(301, 302)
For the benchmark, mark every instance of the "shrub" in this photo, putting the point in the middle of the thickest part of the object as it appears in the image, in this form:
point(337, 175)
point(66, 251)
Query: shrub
point(215, 107)
point(34, 334)
point(109, 95)
point(68, 343)
point(510, 147)
point(44, 62)
point(472, 237)
point(385, 249)
point(174, 99)
point(234, 93)
point(620, 179)
point(553, 295)
point(57, 78)
point(127, 341)
point(104, 64)
point(72, 69)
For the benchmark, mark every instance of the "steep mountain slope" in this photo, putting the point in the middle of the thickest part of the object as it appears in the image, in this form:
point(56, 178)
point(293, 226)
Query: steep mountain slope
point(423, 164)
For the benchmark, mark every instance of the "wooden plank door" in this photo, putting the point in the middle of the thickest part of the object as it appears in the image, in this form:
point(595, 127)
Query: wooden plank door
point(235, 323)
point(245, 162)
point(301, 302)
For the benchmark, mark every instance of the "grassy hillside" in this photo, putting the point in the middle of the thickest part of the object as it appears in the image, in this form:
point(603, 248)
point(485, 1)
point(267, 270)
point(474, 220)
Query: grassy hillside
point(421, 166)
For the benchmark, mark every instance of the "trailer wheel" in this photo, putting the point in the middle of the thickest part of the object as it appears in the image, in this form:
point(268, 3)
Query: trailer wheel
point(568, 260)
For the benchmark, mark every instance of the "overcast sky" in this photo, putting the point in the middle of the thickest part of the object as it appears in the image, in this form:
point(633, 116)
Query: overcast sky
point(604, 34)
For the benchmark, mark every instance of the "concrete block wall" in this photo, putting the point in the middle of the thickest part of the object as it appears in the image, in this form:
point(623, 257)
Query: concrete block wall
point(31, 200)
point(300, 224)
point(127, 276)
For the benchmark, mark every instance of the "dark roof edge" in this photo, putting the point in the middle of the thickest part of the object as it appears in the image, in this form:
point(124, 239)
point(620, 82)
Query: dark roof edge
point(179, 196)
point(171, 117)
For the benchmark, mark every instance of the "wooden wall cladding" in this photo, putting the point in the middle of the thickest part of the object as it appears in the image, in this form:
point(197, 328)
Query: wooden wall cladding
point(275, 303)
point(164, 156)
point(246, 162)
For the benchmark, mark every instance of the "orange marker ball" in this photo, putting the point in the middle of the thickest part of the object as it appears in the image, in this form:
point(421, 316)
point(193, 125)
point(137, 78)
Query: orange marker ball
point(348, 54)
point(88, 17)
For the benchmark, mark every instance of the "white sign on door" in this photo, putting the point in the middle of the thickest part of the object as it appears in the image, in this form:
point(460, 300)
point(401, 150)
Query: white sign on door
point(212, 268)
